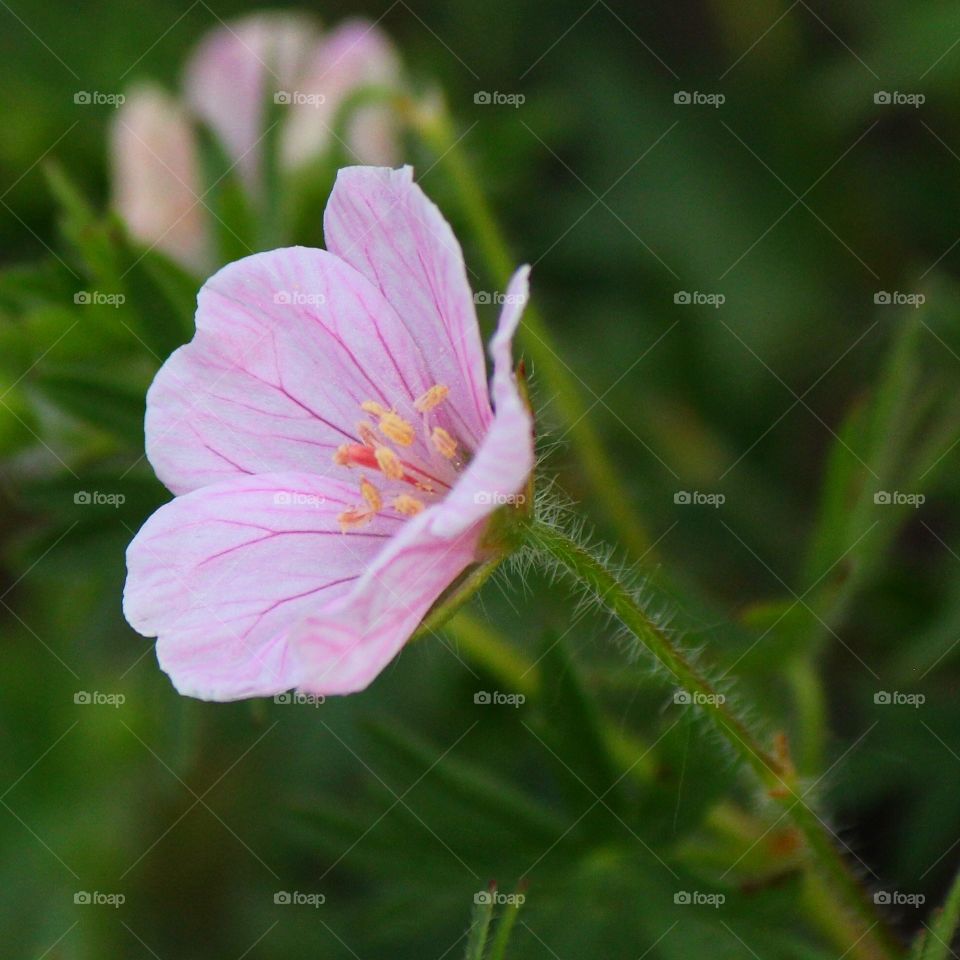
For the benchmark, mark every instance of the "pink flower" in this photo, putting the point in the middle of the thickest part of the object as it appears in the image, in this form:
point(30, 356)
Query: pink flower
point(233, 74)
point(156, 176)
point(355, 56)
point(330, 438)
point(244, 77)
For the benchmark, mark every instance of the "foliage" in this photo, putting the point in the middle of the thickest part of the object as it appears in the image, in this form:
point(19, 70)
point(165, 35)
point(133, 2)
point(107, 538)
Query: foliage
point(598, 797)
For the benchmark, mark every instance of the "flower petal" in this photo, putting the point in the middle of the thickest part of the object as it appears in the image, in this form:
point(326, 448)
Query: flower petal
point(500, 468)
point(380, 222)
point(342, 648)
point(222, 575)
point(288, 344)
point(232, 74)
point(355, 55)
point(156, 176)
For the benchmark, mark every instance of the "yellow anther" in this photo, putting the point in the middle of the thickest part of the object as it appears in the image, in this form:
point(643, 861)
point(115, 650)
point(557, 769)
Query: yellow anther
point(443, 443)
point(367, 437)
point(372, 407)
point(407, 505)
point(371, 495)
point(352, 519)
point(432, 398)
point(388, 462)
point(341, 456)
point(395, 428)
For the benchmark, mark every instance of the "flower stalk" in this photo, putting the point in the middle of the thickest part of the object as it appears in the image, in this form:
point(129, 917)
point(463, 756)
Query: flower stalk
point(772, 767)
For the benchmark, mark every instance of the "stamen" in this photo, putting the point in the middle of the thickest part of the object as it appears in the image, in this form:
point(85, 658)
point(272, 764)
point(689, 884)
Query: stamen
point(407, 505)
point(432, 398)
point(367, 436)
point(352, 519)
point(443, 443)
point(355, 455)
point(371, 495)
point(388, 462)
point(395, 428)
point(373, 408)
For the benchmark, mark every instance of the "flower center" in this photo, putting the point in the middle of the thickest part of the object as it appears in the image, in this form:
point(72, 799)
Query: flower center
point(425, 462)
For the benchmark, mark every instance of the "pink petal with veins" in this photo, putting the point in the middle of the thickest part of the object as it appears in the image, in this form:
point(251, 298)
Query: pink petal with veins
point(288, 345)
point(342, 648)
point(222, 574)
point(379, 221)
point(504, 461)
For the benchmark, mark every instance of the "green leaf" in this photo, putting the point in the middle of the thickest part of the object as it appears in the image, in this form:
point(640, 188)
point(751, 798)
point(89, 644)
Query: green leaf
point(487, 650)
point(26, 286)
point(840, 491)
point(83, 230)
point(469, 787)
point(156, 304)
point(227, 202)
point(571, 724)
point(941, 934)
point(480, 925)
point(96, 401)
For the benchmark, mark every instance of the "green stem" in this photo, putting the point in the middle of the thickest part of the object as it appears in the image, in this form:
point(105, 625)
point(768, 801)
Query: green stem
point(945, 926)
point(773, 769)
point(434, 125)
point(498, 949)
point(487, 649)
point(811, 710)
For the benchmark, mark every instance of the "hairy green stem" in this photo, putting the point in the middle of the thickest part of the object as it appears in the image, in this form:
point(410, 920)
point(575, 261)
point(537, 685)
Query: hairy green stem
point(434, 125)
point(772, 768)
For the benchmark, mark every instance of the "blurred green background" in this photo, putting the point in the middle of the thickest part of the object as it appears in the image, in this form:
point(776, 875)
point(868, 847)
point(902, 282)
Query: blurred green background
point(799, 199)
